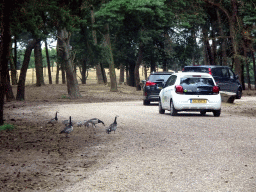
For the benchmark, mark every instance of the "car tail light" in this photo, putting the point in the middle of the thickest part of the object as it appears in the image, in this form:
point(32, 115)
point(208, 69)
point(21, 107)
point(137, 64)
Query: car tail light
point(210, 71)
point(149, 83)
point(179, 89)
point(215, 89)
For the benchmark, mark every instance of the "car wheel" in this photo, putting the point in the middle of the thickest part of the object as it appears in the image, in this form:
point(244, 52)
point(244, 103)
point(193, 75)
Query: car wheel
point(216, 113)
point(203, 112)
point(146, 102)
point(173, 110)
point(161, 110)
point(239, 93)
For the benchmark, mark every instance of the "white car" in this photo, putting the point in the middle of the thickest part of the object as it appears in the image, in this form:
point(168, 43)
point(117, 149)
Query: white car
point(190, 91)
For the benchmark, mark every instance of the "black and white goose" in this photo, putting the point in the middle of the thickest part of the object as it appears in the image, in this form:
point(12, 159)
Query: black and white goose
point(93, 121)
point(112, 127)
point(54, 120)
point(68, 129)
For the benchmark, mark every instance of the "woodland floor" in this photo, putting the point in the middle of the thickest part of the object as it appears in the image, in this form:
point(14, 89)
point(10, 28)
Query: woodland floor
point(34, 157)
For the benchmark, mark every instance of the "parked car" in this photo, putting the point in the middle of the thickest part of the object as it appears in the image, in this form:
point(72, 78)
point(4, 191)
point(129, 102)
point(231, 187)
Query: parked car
point(190, 91)
point(153, 86)
point(223, 75)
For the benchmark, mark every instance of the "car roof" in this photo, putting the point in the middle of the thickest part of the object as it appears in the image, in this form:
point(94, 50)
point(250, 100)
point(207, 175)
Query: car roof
point(208, 66)
point(162, 73)
point(183, 74)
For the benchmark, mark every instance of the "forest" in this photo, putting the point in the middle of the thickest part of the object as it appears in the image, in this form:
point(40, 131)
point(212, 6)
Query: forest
point(123, 34)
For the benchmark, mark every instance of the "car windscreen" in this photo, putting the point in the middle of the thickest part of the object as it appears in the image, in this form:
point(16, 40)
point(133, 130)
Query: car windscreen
point(196, 69)
point(196, 81)
point(159, 77)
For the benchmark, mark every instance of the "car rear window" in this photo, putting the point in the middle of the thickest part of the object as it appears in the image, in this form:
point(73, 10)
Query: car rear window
point(196, 81)
point(159, 77)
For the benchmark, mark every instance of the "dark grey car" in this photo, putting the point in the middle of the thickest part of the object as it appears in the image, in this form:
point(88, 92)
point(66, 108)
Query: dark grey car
point(223, 75)
point(153, 86)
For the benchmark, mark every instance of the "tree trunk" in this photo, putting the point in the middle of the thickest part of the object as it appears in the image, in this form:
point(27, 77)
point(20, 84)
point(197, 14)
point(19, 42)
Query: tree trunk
point(60, 55)
point(121, 77)
point(242, 77)
point(131, 75)
point(152, 62)
point(103, 72)
point(48, 62)
point(254, 69)
point(83, 72)
point(137, 68)
point(247, 65)
point(9, 92)
point(39, 64)
point(5, 40)
point(208, 47)
point(57, 73)
point(127, 75)
point(13, 71)
point(145, 71)
point(21, 84)
point(94, 36)
point(222, 42)
point(113, 83)
point(72, 84)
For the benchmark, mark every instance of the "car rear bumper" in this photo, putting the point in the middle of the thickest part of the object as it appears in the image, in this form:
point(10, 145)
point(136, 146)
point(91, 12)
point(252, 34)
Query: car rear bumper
point(183, 102)
point(152, 97)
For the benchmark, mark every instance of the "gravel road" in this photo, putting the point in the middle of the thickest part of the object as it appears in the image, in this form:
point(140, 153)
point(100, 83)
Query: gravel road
point(154, 152)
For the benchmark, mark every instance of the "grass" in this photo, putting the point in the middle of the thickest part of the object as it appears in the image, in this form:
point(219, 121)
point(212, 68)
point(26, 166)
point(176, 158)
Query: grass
point(7, 127)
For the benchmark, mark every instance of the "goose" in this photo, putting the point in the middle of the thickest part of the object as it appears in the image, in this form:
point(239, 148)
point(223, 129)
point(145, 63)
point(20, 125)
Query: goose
point(68, 129)
point(113, 126)
point(54, 120)
point(93, 121)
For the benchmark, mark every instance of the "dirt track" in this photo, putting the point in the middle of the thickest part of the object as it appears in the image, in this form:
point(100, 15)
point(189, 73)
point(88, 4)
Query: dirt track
point(35, 157)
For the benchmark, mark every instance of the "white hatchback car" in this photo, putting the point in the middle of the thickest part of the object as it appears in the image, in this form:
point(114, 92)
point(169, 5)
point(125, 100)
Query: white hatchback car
point(190, 91)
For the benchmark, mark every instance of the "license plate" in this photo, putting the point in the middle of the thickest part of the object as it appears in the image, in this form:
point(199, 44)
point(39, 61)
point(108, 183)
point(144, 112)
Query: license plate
point(198, 101)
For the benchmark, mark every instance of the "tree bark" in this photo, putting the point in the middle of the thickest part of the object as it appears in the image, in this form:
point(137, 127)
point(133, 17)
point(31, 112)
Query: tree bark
point(94, 36)
point(39, 64)
point(247, 65)
point(254, 69)
point(72, 84)
point(137, 68)
point(21, 84)
point(13, 71)
point(223, 42)
point(131, 78)
point(48, 62)
point(121, 76)
point(5, 41)
point(113, 83)
point(83, 72)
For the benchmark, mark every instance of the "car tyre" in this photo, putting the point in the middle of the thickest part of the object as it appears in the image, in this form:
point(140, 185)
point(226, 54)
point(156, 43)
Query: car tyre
point(161, 110)
point(146, 102)
point(203, 113)
point(239, 93)
point(173, 111)
point(216, 113)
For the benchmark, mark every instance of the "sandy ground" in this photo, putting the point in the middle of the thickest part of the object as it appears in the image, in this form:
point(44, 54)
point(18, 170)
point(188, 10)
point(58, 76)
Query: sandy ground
point(35, 157)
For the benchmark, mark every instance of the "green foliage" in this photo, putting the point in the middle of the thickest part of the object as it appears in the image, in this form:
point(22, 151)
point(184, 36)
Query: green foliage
point(7, 127)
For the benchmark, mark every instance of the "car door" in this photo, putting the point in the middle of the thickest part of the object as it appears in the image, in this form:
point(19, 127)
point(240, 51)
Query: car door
point(169, 86)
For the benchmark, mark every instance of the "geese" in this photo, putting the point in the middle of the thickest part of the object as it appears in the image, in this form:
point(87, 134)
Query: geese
point(68, 129)
point(112, 127)
point(93, 121)
point(54, 120)
point(79, 124)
